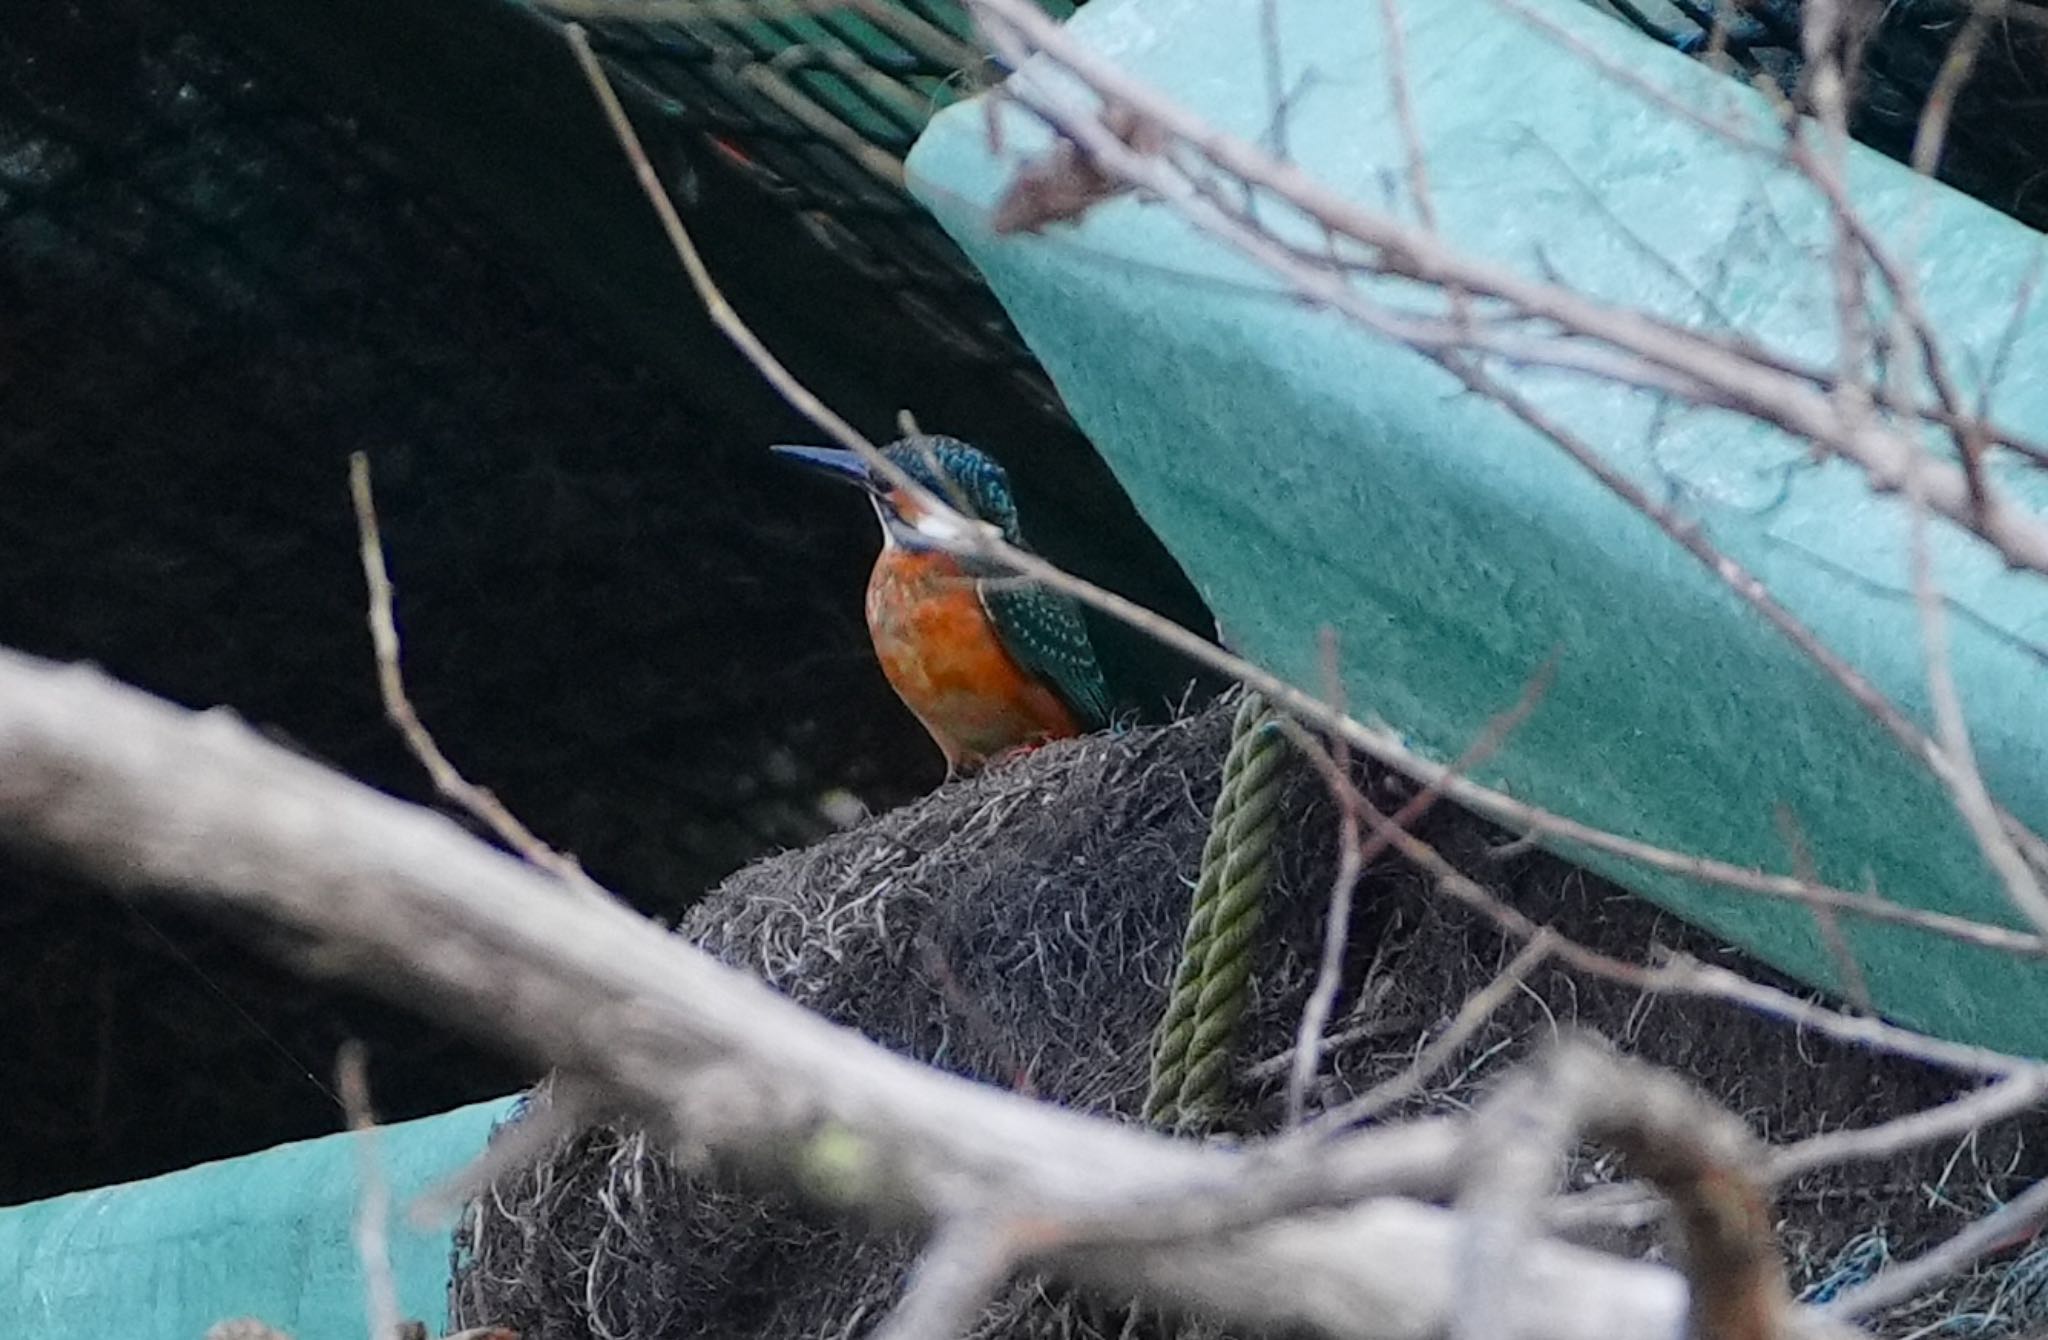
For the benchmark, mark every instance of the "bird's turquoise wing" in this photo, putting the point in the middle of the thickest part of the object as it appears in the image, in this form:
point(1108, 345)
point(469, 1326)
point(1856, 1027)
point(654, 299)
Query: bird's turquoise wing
point(1044, 631)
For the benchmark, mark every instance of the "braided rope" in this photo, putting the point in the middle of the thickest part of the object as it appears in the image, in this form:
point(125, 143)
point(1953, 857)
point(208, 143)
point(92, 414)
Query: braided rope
point(1191, 1051)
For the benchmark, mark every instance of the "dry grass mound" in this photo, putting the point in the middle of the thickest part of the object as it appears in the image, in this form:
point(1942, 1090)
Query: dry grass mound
point(1022, 928)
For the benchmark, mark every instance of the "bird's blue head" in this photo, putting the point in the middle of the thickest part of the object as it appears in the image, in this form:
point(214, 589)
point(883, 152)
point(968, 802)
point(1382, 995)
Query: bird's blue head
point(964, 476)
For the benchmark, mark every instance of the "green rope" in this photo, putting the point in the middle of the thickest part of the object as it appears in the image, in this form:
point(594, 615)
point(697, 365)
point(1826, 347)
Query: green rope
point(1191, 1052)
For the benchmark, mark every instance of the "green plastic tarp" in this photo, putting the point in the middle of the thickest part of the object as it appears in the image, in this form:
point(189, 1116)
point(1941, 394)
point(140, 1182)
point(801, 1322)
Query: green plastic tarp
point(1310, 475)
point(268, 1236)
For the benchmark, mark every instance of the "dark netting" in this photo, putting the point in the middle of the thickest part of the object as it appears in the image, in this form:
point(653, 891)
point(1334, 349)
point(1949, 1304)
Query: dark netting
point(818, 110)
point(643, 638)
point(1022, 928)
point(1996, 145)
point(216, 282)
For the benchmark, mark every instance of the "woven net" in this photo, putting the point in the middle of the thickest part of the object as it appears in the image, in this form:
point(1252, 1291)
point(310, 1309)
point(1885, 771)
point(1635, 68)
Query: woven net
point(1996, 141)
point(210, 293)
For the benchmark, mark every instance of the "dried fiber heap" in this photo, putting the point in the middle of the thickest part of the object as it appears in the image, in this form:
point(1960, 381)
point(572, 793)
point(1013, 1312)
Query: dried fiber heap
point(1022, 927)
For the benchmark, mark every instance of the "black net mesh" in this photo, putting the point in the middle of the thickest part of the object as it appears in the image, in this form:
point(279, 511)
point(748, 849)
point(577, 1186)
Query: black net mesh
point(818, 110)
point(209, 295)
point(1995, 145)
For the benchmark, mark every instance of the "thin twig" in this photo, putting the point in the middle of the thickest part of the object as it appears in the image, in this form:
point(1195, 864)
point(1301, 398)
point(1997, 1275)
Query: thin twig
point(1942, 415)
point(1479, 1007)
point(1884, 454)
point(1956, 67)
point(373, 1196)
point(964, 1264)
point(1404, 113)
point(1351, 859)
point(1693, 540)
point(972, 534)
point(1901, 1283)
point(1849, 979)
point(2008, 337)
point(1965, 782)
point(1273, 65)
point(1315, 1013)
point(1281, 1062)
point(134, 791)
point(1826, 81)
point(1383, 746)
point(1682, 975)
point(2036, 651)
point(474, 800)
point(1994, 1102)
point(565, 1106)
point(1615, 342)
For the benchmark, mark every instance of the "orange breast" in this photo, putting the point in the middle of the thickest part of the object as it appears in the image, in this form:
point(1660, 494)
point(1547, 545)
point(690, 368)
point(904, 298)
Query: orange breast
point(949, 667)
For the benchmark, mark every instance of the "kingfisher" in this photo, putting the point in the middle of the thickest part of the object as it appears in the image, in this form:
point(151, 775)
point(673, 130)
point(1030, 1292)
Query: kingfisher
point(989, 663)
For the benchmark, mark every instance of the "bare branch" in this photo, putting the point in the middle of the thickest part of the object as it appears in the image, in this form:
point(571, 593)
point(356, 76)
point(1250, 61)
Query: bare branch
point(964, 1264)
point(1901, 1283)
point(1315, 1015)
point(135, 791)
point(1700, 1157)
point(1425, 263)
point(1681, 975)
point(1849, 979)
point(373, 1196)
point(1791, 151)
point(480, 804)
point(1706, 372)
point(1384, 746)
point(564, 1106)
point(1479, 1007)
point(1404, 113)
point(1932, 132)
point(1282, 1062)
point(1994, 1102)
point(1965, 783)
point(1352, 857)
point(1647, 351)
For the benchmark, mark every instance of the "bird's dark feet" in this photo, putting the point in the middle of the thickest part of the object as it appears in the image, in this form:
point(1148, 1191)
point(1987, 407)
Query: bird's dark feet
point(1006, 757)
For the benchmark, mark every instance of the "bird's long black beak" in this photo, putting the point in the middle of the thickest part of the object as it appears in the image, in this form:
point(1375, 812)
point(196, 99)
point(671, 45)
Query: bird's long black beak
point(837, 462)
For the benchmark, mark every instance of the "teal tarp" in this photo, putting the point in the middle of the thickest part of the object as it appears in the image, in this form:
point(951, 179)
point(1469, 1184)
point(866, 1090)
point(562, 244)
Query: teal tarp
point(1309, 475)
point(268, 1236)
